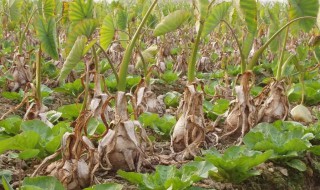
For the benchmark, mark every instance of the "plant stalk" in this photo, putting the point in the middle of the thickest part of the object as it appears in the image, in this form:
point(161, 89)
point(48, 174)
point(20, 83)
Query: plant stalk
point(127, 55)
point(193, 59)
point(257, 54)
point(280, 63)
point(38, 79)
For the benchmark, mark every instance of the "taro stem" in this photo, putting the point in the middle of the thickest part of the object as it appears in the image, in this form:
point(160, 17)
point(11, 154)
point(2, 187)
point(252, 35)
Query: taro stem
point(127, 55)
point(258, 53)
point(193, 59)
point(38, 80)
point(280, 63)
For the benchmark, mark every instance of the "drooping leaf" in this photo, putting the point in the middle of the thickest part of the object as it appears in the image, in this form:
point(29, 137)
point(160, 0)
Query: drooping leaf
point(249, 11)
point(46, 8)
point(73, 58)
point(300, 8)
point(148, 56)
point(43, 182)
point(46, 32)
point(217, 13)
point(80, 10)
point(106, 32)
point(171, 22)
point(85, 27)
point(15, 9)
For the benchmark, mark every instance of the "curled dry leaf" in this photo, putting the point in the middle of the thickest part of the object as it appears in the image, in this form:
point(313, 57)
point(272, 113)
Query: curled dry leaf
point(124, 146)
point(20, 72)
point(272, 103)
point(147, 101)
point(182, 64)
point(243, 110)
point(75, 170)
point(189, 131)
point(205, 65)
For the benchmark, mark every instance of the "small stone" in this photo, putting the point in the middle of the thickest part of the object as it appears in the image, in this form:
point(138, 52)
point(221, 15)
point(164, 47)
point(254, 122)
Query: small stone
point(284, 171)
point(271, 169)
point(301, 113)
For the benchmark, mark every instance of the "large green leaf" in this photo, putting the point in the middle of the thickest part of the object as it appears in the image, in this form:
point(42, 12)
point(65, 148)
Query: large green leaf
point(46, 32)
point(23, 141)
point(46, 8)
point(15, 9)
point(249, 11)
point(73, 58)
point(85, 27)
point(171, 22)
point(217, 13)
point(202, 6)
point(107, 32)
point(121, 19)
point(42, 182)
point(300, 8)
point(80, 10)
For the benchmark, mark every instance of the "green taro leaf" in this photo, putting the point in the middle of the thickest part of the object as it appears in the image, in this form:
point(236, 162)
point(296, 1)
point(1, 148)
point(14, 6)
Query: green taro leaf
point(217, 13)
point(29, 153)
point(107, 186)
point(107, 32)
point(148, 56)
point(11, 124)
point(46, 8)
point(80, 10)
point(297, 164)
point(85, 27)
point(5, 183)
point(172, 99)
point(73, 58)
point(202, 6)
point(7, 174)
point(15, 9)
point(46, 32)
point(23, 141)
point(300, 8)
point(42, 182)
point(249, 11)
point(70, 112)
point(37, 126)
point(169, 77)
point(122, 19)
point(171, 22)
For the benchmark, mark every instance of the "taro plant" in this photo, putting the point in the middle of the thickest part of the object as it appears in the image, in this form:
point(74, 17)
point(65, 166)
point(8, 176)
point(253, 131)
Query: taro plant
point(288, 141)
point(271, 104)
point(189, 134)
point(236, 164)
point(169, 177)
point(123, 147)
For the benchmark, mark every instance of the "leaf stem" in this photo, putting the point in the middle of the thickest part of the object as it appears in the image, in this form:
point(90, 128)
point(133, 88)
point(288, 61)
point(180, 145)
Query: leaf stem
point(127, 55)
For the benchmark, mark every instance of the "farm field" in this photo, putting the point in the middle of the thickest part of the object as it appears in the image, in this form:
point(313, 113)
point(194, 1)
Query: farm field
point(154, 95)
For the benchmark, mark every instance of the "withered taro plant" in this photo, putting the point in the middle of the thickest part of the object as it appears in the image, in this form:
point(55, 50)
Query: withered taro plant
point(272, 103)
point(189, 132)
point(124, 146)
point(79, 158)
